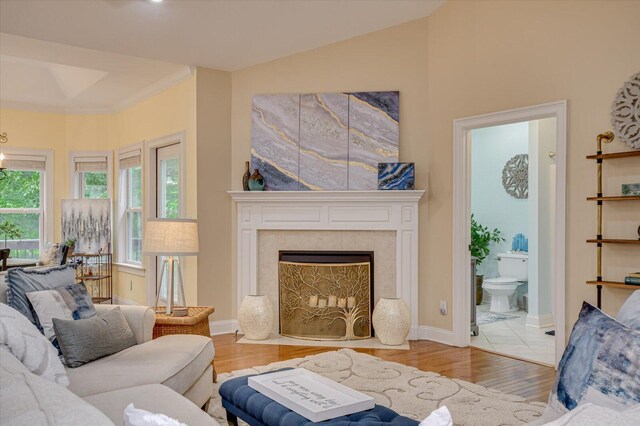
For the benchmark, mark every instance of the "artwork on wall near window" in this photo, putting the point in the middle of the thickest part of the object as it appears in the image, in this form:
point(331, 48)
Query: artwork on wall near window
point(396, 176)
point(326, 141)
point(87, 221)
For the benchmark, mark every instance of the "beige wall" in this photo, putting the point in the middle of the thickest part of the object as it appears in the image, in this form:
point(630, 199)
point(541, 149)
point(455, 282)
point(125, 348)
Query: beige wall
point(168, 112)
point(213, 100)
point(470, 58)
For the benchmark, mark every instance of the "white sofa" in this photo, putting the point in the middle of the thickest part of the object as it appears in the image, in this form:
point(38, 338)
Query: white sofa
point(171, 375)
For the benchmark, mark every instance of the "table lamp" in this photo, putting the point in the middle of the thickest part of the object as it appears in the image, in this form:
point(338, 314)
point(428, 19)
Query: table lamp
point(171, 238)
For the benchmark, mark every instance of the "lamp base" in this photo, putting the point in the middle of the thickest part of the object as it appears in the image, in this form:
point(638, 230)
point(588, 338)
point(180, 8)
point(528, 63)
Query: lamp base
point(172, 264)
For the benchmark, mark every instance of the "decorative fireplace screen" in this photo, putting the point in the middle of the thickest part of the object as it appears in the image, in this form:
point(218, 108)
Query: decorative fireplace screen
point(326, 295)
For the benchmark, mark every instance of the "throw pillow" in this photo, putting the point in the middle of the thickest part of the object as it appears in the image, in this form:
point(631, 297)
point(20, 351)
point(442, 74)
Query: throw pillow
point(136, 417)
point(601, 365)
point(49, 255)
point(629, 313)
point(71, 302)
point(86, 340)
point(593, 415)
point(30, 347)
point(22, 281)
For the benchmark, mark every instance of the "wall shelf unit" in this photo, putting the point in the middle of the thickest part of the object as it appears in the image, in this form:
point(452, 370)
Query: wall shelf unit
point(95, 270)
point(600, 199)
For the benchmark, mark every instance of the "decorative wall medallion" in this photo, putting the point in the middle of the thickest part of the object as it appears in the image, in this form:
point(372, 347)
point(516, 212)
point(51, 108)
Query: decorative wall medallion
point(515, 176)
point(625, 112)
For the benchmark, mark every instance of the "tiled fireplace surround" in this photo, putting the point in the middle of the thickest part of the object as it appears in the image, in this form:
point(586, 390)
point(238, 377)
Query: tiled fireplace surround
point(385, 222)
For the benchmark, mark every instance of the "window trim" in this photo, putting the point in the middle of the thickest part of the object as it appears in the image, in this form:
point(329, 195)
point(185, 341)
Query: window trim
point(123, 195)
point(74, 182)
point(150, 187)
point(46, 189)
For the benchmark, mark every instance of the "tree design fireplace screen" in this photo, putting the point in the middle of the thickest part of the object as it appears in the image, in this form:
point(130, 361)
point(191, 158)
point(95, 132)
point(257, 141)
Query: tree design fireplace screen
point(322, 299)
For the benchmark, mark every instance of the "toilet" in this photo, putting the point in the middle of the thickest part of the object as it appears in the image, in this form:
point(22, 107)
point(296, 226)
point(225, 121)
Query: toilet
point(513, 269)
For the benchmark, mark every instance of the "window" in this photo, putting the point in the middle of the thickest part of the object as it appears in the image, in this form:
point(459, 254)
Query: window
point(91, 174)
point(130, 206)
point(23, 198)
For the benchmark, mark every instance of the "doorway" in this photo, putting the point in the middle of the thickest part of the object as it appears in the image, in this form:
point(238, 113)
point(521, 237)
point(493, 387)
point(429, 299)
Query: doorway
point(512, 228)
point(515, 318)
point(166, 195)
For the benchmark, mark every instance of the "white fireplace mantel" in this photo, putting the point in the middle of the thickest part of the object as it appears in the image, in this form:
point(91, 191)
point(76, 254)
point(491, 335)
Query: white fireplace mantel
point(330, 211)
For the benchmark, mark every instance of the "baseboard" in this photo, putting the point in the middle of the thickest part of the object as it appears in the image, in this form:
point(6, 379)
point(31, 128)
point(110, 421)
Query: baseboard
point(435, 334)
point(118, 300)
point(539, 321)
point(223, 326)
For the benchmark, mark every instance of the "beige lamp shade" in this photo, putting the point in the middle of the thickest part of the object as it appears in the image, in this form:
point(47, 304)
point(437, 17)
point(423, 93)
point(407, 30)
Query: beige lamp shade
point(171, 237)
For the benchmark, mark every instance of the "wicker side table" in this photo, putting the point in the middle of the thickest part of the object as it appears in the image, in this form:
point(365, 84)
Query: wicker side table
point(196, 322)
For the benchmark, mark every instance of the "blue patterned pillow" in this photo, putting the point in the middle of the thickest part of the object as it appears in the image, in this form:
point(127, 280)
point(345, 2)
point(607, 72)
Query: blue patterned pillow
point(601, 365)
point(71, 302)
point(22, 281)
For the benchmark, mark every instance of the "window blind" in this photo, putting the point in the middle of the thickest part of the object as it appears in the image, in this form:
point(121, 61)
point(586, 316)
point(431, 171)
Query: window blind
point(130, 159)
point(24, 162)
point(90, 164)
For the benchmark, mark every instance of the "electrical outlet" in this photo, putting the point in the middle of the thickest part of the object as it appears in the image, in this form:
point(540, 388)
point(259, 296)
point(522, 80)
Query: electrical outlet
point(443, 307)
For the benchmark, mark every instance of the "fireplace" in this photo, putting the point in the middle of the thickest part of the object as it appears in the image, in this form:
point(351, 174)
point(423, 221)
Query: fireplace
point(326, 295)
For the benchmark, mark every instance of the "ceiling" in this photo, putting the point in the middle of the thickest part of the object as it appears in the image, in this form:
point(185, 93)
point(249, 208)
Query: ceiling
point(87, 54)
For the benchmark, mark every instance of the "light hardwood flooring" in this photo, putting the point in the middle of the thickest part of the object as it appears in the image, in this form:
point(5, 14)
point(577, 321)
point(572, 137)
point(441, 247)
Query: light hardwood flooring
point(528, 380)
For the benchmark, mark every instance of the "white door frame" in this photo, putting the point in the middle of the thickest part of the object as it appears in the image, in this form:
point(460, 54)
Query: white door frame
point(151, 148)
point(462, 212)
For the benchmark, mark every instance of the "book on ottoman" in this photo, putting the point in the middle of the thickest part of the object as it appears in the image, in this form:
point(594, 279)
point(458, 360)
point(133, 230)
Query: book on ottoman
point(311, 395)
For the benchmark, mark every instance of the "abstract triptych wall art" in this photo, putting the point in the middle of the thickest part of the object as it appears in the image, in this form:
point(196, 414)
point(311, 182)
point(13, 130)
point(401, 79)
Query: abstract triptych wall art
point(325, 141)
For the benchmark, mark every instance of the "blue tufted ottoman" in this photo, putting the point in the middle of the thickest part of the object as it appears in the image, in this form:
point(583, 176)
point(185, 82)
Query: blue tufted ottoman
point(242, 401)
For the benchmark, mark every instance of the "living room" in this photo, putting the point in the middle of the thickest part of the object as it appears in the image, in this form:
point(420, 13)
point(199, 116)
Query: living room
point(448, 60)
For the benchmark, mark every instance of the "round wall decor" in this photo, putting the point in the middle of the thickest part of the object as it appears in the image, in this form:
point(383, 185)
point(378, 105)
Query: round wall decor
point(625, 112)
point(515, 176)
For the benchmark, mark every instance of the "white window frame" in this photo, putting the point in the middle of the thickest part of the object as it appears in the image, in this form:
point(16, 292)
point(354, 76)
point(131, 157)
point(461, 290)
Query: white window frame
point(46, 190)
point(151, 192)
point(75, 180)
point(123, 202)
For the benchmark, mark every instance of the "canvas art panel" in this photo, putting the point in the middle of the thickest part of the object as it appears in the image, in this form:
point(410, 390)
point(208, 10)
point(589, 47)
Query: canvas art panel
point(89, 223)
point(326, 141)
point(396, 176)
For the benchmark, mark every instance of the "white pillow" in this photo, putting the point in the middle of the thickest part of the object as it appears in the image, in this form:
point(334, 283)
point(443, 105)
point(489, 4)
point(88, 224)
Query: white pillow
point(439, 417)
point(136, 417)
point(49, 254)
point(32, 349)
point(629, 313)
point(593, 415)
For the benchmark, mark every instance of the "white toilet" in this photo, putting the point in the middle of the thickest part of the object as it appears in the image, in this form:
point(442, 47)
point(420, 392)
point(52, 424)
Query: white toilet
point(513, 269)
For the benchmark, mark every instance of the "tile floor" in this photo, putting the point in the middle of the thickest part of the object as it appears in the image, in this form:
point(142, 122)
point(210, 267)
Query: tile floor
point(513, 337)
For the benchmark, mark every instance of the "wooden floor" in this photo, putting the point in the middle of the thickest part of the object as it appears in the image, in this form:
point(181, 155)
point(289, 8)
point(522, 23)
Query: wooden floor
point(531, 381)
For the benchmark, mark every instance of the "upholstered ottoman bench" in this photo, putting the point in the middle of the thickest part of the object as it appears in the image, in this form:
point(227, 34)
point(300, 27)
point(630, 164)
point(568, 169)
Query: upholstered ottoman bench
point(244, 402)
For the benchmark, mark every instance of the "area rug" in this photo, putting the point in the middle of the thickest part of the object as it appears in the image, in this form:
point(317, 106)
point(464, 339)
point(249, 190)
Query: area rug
point(483, 318)
point(407, 390)
point(276, 339)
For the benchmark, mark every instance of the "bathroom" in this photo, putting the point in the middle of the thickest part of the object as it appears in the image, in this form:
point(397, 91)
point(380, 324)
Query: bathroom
point(512, 204)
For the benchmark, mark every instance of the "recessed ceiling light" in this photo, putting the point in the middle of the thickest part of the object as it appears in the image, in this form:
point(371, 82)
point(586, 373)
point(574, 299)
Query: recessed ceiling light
point(156, 1)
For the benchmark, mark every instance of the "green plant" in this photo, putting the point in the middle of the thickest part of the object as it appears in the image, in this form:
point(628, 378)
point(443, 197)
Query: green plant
point(10, 231)
point(70, 242)
point(481, 239)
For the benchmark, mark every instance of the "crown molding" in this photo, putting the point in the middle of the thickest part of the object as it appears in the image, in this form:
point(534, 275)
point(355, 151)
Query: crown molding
point(153, 89)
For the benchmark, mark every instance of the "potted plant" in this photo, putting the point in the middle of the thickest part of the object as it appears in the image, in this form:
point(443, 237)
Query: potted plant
point(10, 231)
point(71, 243)
point(481, 239)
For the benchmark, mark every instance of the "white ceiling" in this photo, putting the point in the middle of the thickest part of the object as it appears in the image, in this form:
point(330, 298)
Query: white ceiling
point(54, 77)
point(219, 34)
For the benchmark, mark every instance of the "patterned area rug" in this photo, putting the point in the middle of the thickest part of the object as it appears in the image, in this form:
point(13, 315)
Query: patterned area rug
point(406, 390)
point(483, 318)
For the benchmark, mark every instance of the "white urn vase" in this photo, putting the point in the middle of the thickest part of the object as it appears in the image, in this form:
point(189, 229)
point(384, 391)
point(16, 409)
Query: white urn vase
point(391, 321)
point(256, 317)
